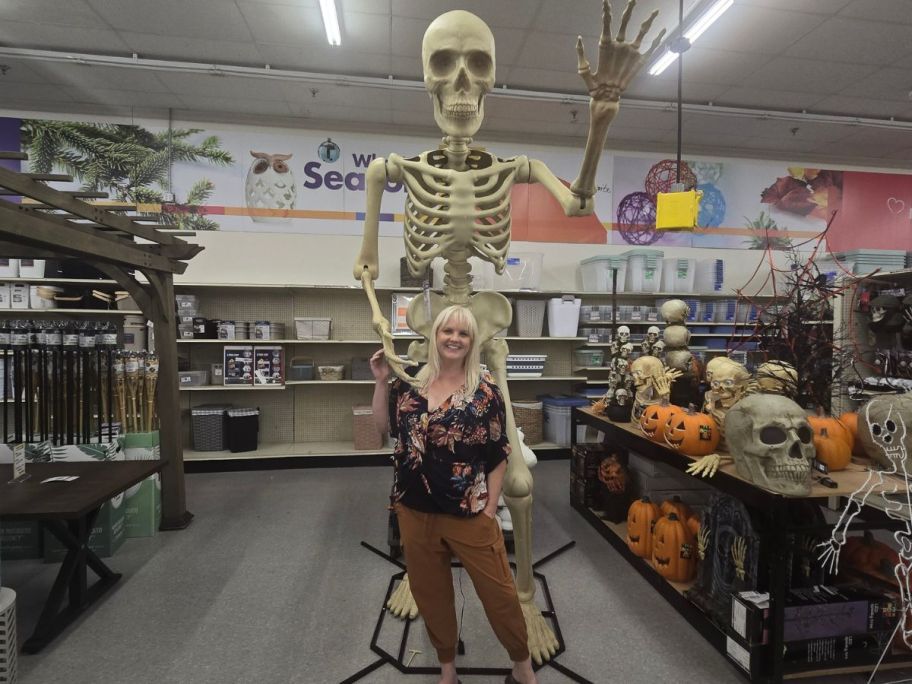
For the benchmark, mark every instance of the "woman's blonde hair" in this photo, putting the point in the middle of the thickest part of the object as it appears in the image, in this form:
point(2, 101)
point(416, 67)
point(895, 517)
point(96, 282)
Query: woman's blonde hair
point(472, 365)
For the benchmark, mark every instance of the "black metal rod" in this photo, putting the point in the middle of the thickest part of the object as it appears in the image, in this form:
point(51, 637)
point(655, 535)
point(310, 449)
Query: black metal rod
point(680, 91)
point(17, 387)
point(7, 393)
point(98, 390)
point(110, 393)
point(29, 416)
point(55, 397)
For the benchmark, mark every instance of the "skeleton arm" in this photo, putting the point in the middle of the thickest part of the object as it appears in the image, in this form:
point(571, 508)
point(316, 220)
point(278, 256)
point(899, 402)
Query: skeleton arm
point(829, 550)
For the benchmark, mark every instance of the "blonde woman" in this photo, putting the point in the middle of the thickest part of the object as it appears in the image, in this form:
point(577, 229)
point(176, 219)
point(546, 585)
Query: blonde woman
point(450, 459)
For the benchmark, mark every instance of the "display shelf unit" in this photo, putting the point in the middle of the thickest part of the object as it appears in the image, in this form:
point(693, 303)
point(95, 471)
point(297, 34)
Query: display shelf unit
point(50, 313)
point(767, 505)
point(319, 412)
point(231, 388)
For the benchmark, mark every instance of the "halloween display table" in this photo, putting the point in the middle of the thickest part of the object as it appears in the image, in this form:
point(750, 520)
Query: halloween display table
point(775, 526)
point(68, 511)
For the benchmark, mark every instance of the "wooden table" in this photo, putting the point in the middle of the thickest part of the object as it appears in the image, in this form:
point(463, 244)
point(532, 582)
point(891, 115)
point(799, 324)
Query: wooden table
point(68, 511)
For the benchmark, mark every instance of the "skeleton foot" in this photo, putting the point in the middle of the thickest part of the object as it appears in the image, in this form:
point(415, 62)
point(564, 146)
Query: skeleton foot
point(542, 642)
point(706, 466)
point(402, 604)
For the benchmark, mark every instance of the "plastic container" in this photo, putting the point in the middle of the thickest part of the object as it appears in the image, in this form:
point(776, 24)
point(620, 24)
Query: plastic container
point(361, 370)
point(312, 328)
point(134, 336)
point(336, 372)
point(31, 268)
point(563, 316)
point(365, 434)
point(196, 378)
point(207, 427)
point(529, 417)
point(242, 428)
point(678, 275)
point(42, 296)
point(526, 365)
point(301, 368)
point(710, 276)
point(530, 317)
point(588, 357)
point(522, 271)
point(557, 412)
point(644, 270)
point(9, 268)
point(597, 271)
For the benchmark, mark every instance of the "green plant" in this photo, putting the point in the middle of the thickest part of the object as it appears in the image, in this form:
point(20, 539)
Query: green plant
point(765, 228)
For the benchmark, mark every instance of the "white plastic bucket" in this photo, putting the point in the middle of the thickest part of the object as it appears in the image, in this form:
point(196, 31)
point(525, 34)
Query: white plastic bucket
point(563, 316)
point(31, 268)
point(9, 268)
point(596, 273)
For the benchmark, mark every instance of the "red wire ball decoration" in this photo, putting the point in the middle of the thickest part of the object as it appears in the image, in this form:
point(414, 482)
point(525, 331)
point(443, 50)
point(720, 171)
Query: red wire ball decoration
point(636, 217)
point(664, 174)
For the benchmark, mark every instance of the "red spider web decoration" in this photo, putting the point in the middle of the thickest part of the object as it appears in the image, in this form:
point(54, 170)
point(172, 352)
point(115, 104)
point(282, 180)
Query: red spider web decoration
point(664, 174)
point(636, 217)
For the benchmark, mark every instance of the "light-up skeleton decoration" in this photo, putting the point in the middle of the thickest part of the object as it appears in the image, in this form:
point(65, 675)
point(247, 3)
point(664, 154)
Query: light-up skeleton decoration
point(890, 438)
point(458, 205)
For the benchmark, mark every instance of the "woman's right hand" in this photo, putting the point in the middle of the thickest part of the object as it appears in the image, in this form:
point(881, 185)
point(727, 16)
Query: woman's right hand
point(379, 367)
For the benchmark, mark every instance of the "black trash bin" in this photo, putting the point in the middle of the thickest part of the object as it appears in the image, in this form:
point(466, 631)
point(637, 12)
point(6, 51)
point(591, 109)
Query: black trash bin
point(243, 427)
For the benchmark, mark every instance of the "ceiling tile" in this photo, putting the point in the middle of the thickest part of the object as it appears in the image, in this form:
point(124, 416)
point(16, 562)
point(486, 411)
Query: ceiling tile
point(538, 111)
point(894, 11)
point(828, 7)
point(350, 114)
point(285, 24)
point(885, 84)
point(509, 13)
point(552, 51)
point(808, 75)
point(370, 6)
point(585, 18)
point(25, 71)
point(854, 42)
point(324, 58)
point(225, 87)
point(192, 49)
point(766, 98)
point(34, 91)
point(364, 33)
point(204, 103)
point(132, 98)
point(70, 13)
point(85, 77)
point(327, 95)
point(47, 36)
point(858, 106)
point(630, 117)
point(737, 29)
point(406, 69)
point(201, 18)
point(540, 79)
point(649, 88)
point(719, 67)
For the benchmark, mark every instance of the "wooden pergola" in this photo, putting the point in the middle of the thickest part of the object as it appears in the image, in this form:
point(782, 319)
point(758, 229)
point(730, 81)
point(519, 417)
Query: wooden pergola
point(54, 224)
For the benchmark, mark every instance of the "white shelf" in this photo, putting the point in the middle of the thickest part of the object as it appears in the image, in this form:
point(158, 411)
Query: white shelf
point(591, 368)
point(395, 337)
point(547, 378)
point(231, 388)
point(311, 449)
point(53, 312)
point(71, 281)
point(329, 382)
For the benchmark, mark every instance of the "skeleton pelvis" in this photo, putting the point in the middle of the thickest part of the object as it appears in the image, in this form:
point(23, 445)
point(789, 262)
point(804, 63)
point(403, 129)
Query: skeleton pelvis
point(492, 311)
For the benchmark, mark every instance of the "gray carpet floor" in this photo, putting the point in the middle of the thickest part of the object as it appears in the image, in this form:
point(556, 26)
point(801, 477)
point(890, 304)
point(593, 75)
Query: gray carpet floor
point(271, 585)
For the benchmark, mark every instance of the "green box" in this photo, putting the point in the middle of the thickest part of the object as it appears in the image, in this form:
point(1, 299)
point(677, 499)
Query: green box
point(107, 536)
point(20, 539)
point(143, 505)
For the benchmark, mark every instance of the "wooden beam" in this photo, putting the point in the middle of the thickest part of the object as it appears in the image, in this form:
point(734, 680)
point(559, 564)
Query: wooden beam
point(51, 177)
point(42, 193)
point(22, 156)
point(17, 250)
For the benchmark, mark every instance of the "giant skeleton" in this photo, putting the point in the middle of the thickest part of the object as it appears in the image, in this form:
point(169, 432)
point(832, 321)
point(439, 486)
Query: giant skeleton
point(458, 206)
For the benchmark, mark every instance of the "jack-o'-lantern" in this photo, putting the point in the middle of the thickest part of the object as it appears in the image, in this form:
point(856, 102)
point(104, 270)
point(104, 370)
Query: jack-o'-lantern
point(676, 506)
point(693, 524)
point(835, 454)
point(641, 517)
point(835, 429)
point(612, 474)
point(692, 433)
point(654, 418)
point(674, 552)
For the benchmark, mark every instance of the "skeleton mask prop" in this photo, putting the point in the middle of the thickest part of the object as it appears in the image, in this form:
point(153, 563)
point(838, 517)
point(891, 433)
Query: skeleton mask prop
point(883, 433)
point(626, 350)
point(772, 443)
point(886, 314)
point(623, 335)
point(458, 58)
point(712, 364)
point(652, 334)
point(777, 377)
point(729, 382)
point(674, 311)
point(658, 349)
point(621, 397)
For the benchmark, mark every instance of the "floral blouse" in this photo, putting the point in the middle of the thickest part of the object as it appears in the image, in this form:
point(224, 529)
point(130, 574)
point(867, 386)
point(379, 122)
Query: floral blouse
point(442, 457)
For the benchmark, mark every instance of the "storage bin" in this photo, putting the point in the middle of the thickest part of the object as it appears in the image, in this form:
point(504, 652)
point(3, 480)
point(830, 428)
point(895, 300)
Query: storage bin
point(557, 418)
point(186, 302)
point(563, 316)
point(644, 270)
point(242, 428)
point(710, 275)
point(301, 368)
point(207, 427)
point(19, 295)
point(195, 378)
point(360, 369)
point(588, 357)
point(529, 418)
point(678, 274)
point(134, 336)
point(530, 317)
point(406, 279)
point(9, 268)
point(526, 365)
point(31, 268)
point(312, 328)
point(597, 273)
point(42, 296)
point(522, 271)
point(365, 434)
point(330, 372)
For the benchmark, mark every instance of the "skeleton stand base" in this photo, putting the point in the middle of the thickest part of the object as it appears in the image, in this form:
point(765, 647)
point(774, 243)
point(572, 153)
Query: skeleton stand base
point(398, 660)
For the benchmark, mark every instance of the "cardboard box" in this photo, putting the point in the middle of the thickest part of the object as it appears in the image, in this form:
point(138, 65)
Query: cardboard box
point(238, 365)
point(142, 512)
point(20, 539)
point(748, 658)
point(750, 612)
point(269, 365)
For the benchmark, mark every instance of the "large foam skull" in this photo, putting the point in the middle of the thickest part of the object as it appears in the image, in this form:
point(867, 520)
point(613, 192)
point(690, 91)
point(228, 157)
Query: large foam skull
point(675, 311)
point(458, 58)
point(623, 335)
point(882, 431)
point(772, 443)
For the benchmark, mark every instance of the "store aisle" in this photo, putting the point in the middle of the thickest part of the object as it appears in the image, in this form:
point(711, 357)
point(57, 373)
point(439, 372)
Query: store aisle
point(271, 585)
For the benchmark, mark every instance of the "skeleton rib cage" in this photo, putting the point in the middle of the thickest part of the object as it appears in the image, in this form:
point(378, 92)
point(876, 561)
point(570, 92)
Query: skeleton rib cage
point(456, 214)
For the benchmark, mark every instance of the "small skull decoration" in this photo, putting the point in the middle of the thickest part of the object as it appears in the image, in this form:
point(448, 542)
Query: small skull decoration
point(652, 334)
point(772, 443)
point(658, 349)
point(612, 474)
point(621, 397)
point(626, 350)
point(623, 335)
point(886, 314)
point(777, 377)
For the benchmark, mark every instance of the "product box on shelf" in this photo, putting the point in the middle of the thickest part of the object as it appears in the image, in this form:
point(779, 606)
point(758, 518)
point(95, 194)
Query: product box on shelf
point(142, 508)
point(238, 364)
point(19, 295)
point(5, 302)
point(269, 365)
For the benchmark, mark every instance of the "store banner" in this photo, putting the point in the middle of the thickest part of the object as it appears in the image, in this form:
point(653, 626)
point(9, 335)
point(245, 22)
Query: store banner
point(876, 213)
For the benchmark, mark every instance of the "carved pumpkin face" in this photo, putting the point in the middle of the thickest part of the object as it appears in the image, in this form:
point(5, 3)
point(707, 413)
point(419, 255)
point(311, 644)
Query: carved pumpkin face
point(654, 418)
point(674, 552)
point(612, 474)
point(692, 433)
point(641, 517)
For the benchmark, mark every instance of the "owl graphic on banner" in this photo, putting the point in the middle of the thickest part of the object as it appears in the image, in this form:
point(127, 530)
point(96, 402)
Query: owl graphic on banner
point(270, 189)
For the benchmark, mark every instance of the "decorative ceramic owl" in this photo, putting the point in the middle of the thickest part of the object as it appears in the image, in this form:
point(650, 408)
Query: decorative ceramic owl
point(270, 185)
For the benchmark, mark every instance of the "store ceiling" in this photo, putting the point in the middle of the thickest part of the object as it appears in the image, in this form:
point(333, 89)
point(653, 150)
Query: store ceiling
point(849, 58)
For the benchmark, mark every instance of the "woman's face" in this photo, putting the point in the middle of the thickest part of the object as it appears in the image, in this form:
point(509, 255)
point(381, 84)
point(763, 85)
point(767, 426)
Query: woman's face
point(453, 340)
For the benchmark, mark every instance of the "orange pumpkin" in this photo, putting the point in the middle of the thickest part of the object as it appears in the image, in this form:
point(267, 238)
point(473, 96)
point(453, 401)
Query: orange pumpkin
point(675, 505)
point(850, 420)
point(693, 524)
point(867, 554)
point(836, 430)
point(641, 517)
point(674, 549)
point(654, 418)
point(692, 433)
point(834, 453)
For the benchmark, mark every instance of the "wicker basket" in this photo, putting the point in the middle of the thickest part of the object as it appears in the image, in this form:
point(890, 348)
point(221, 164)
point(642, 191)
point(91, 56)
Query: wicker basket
point(406, 279)
point(364, 433)
point(528, 415)
point(331, 372)
point(530, 317)
point(313, 328)
point(207, 425)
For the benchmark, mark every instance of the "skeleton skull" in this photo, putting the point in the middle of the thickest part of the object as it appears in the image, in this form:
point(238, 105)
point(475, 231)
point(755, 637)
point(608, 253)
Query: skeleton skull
point(886, 314)
point(623, 335)
point(644, 370)
point(772, 443)
point(621, 396)
point(729, 382)
point(658, 349)
point(458, 58)
point(777, 377)
point(626, 350)
point(676, 336)
point(675, 311)
point(882, 431)
point(652, 334)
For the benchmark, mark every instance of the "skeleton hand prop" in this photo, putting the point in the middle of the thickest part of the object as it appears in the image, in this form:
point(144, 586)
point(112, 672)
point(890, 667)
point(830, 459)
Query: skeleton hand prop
point(829, 555)
point(382, 326)
point(706, 466)
point(702, 542)
point(663, 381)
point(401, 603)
point(542, 642)
point(739, 553)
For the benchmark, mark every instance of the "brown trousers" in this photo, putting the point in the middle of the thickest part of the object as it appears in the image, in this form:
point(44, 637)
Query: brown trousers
point(429, 541)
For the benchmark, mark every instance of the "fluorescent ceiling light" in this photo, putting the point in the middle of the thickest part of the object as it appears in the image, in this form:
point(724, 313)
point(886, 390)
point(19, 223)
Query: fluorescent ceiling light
point(331, 21)
point(706, 19)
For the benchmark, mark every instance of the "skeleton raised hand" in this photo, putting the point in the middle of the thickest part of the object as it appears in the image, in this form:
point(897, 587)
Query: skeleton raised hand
point(739, 553)
point(401, 603)
point(702, 542)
